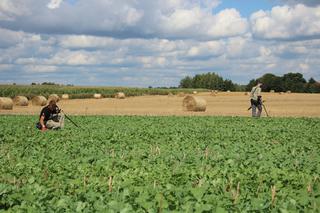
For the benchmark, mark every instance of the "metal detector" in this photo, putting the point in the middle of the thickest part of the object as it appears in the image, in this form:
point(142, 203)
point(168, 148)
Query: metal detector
point(67, 117)
point(265, 109)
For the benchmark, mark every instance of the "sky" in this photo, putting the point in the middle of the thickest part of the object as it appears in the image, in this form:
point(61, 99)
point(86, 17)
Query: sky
point(141, 43)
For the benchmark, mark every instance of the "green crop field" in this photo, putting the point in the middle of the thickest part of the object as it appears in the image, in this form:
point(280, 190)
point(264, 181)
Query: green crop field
point(84, 92)
point(161, 164)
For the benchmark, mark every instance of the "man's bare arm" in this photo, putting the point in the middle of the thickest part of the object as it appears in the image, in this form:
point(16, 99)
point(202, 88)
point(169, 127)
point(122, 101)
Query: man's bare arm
point(42, 122)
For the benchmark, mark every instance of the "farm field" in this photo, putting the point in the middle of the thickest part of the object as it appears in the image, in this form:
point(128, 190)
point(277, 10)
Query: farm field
point(222, 104)
point(161, 164)
point(81, 92)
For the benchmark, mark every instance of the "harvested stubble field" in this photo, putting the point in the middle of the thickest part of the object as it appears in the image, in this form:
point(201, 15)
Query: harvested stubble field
point(222, 104)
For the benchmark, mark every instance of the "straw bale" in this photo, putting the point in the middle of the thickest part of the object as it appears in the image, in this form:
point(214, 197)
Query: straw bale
point(54, 97)
point(65, 96)
point(39, 101)
point(181, 94)
point(6, 103)
point(120, 95)
point(196, 104)
point(97, 96)
point(20, 101)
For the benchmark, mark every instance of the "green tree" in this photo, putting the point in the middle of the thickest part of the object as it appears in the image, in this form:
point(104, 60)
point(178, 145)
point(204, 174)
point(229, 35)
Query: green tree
point(186, 82)
point(271, 82)
point(228, 85)
point(251, 84)
point(294, 82)
point(207, 81)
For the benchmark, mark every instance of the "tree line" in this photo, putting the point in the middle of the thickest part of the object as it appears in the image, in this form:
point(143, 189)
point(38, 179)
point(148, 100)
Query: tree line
point(210, 81)
point(294, 82)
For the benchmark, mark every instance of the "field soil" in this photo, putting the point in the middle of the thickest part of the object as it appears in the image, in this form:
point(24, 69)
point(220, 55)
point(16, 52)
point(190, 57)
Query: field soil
point(221, 104)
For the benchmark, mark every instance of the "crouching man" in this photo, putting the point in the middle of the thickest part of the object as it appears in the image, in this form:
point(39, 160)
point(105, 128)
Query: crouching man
point(50, 117)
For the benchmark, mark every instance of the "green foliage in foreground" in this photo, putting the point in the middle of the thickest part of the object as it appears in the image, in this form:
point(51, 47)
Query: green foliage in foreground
point(161, 164)
point(83, 92)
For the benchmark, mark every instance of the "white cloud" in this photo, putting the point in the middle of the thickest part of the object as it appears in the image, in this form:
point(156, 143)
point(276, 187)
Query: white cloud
point(157, 41)
point(5, 67)
point(9, 37)
point(54, 4)
point(285, 22)
point(228, 23)
point(39, 69)
point(306, 2)
point(190, 19)
point(82, 41)
point(9, 9)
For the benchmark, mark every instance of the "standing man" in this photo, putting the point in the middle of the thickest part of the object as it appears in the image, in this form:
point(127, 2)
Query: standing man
point(256, 100)
point(50, 117)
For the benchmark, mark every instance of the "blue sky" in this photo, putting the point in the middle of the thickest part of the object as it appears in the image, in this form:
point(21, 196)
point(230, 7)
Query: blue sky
point(247, 7)
point(156, 43)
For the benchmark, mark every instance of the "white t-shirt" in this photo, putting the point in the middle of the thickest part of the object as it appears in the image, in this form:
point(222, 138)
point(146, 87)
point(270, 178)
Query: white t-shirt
point(255, 93)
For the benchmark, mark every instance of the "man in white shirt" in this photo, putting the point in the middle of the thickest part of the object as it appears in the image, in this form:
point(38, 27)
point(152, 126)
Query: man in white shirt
point(256, 100)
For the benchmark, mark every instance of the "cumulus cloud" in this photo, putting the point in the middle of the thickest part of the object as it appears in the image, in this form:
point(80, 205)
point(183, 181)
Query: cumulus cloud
point(142, 43)
point(86, 42)
point(305, 2)
point(39, 69)
point(191, 19)
point(9, 37)
point(10, 9)
point(54, 4)
point(5, 67)
point(286, 22)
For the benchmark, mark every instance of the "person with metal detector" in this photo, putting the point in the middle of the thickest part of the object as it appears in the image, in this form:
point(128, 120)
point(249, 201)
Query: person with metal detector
point(256, 100)
point(50, 117)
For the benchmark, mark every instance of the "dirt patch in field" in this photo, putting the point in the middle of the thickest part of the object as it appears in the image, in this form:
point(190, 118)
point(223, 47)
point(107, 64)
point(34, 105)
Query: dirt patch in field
point(221, 104)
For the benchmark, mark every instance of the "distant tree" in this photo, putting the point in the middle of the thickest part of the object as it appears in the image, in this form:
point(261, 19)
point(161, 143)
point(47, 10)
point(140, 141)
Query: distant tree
point(312, 86)
point(290, 81)
point(228, 85)
point(187, 82)
point(48, 83)
point(294, 82)
point(312, 81)
point(207, 81)
point(271, 82)
point(251, 84)
point(33, 83)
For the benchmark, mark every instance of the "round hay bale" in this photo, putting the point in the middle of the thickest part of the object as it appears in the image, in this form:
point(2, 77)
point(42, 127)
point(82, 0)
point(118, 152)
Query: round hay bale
point(39, 101)
point(54, 97)
point(20, 101)
point(280, 93)
point(6, 103)
point(195, 92)
point(65, 96)
point(288, 91)
point(120, 95)
point(196, 104)
point(246, 93)
point(228, 91)
point(170, 94)
point(97, 96)
point(181, 94)
point(272, 91)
